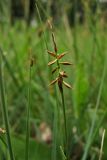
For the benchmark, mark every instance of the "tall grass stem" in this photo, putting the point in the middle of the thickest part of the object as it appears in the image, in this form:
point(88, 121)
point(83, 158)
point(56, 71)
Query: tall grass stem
point(102, 143)
point(4, 108)
point(65, 122)
point(89, 139)
point(28, 117)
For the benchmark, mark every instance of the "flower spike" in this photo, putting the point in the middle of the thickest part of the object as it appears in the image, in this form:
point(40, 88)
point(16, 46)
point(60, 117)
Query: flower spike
point(52, 53)
point(54, 70)
point(53, 82)
point(2, 131)
point(61, 55)
point(52, 62)
point(67, 85)
point(61, 74)
point(65, 63)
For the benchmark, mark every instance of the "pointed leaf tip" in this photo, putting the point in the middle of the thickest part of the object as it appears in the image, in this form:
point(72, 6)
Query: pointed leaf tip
point(66, 63)
point(52, 62)
point(61, 55)
point(51, 53)
point(53, 82)
point(67, 85)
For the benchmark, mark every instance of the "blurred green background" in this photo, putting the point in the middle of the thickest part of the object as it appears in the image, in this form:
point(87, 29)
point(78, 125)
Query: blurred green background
point(80, 28)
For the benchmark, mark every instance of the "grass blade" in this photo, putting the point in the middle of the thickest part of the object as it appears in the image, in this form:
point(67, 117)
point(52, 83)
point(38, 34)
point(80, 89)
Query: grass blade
point(3, 141)
point(65, 122)
point(62, 153)
point(102, 143)
point(89, 139)
point(4, 108)
point(9, 68)
point(28, 117)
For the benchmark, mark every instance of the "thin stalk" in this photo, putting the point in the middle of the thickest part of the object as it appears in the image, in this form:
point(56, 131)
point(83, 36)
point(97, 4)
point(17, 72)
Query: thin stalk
point(27, 4)
point(75, 31)
point(40, 19)
point(65, 123)
point(44, 35)
point(55, 129)
point(28, 118)
point(5, 112)
point(89, 139)
point(102, 143)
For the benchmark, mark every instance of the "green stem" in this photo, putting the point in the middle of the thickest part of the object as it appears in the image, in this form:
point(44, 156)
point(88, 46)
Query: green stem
point(28, 118)
point(55, 131)
point(65, 123)
point(40, 19)
point(5, 112)
point(89, 138)
point(75, 31)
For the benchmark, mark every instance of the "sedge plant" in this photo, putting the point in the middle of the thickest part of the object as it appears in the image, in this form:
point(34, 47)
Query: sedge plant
point(59, 79)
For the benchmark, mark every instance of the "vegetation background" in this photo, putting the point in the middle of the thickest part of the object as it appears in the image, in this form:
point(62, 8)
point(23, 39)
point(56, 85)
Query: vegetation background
point(80, 27)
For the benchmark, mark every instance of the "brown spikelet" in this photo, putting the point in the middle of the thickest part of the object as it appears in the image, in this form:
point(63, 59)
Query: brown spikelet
point(54, 70)
point(53, 82)
point(67, 85)
point(50, 24)
point(54, 42)
point(63, 74)
point(52, 53)
point(60, 81)
point(31, 58)
point(31, 62)
point(52, 62)
point(61, 55)
point(2, 131)
point(66, 63)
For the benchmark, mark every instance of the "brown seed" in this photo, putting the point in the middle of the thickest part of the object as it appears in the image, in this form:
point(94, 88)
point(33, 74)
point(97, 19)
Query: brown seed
point(54, 70)
point(52, 62)
point(66, 63)
point(54, 42)
point(53, 82)
point(2, 130)
point(63, 74)
point(31, 62)
point(61, 55)
point(67, 85)
point(52, 53)
point(50, 24)
point(60, 81)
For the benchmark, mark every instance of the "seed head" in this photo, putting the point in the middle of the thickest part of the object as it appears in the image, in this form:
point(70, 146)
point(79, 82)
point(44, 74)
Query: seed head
point(2, 131)
point(61, 74)
point(54, 43)
point(50, 24)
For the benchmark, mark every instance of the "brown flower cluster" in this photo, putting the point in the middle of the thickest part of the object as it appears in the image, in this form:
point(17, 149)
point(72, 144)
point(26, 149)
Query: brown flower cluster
point(61, 74)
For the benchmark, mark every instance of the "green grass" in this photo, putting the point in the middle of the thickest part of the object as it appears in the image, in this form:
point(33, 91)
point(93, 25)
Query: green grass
point(86, 109)
point(4, 109)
